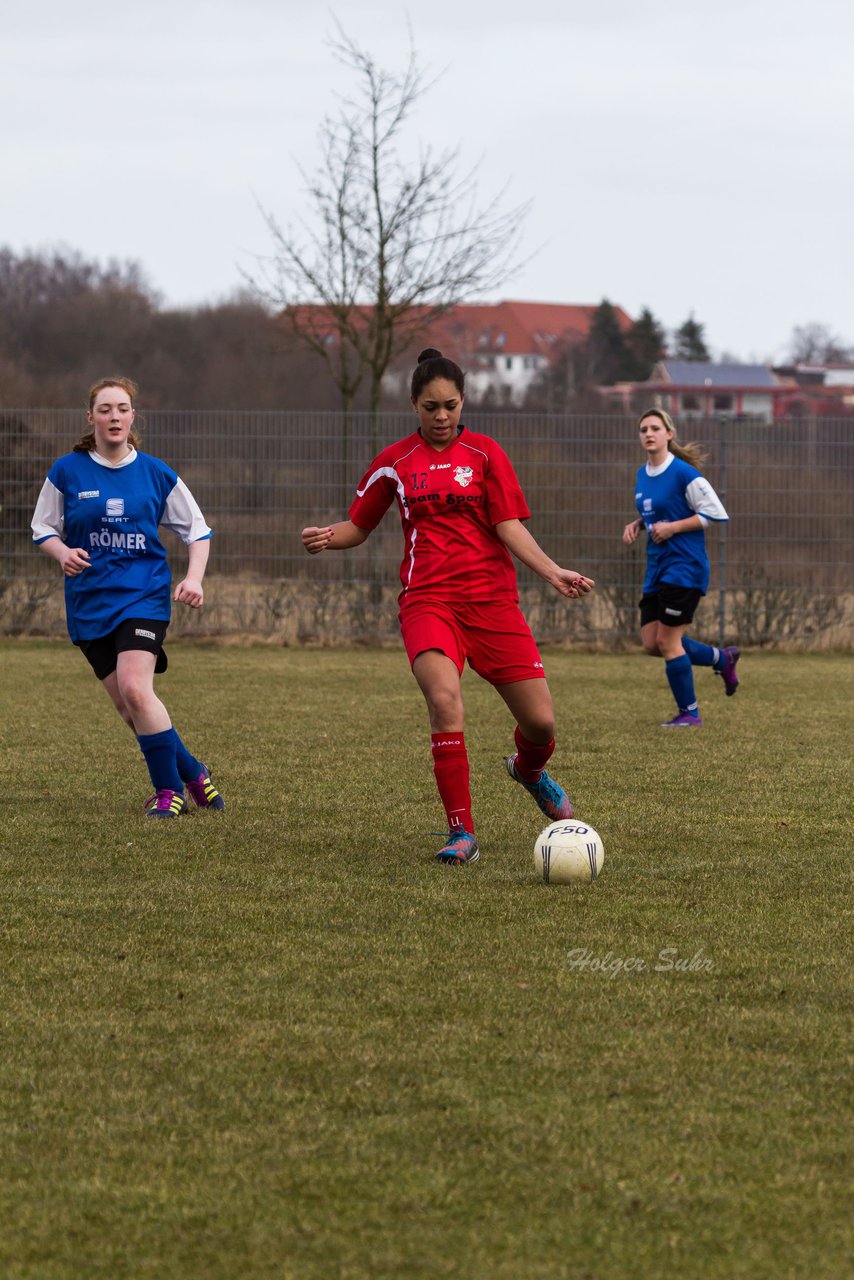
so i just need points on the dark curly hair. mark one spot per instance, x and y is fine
(432, 364)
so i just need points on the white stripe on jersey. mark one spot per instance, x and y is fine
(465, 445)
(391, 473)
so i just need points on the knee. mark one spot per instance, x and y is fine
(539, 729)
(445, 708)
(651, 647)
(135, 696)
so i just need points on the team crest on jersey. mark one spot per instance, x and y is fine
(115, 506)
(463, 476)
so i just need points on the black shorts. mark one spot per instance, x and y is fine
(134, 633)
(671, 605)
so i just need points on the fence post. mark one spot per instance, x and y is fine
(722, 530)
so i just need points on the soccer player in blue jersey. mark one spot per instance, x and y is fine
(676, 503)
(98, 515)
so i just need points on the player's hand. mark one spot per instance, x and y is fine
(661, 531)
(190, 592)
(631, 532)
(75, 561)
(315, 540)
(572, 584)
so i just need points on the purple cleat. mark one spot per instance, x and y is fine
(727, 671)
(165, 804)
(203, 793)
(549, 795)
(683, 721)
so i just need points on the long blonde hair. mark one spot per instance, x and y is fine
(690, 453)
(86, 443)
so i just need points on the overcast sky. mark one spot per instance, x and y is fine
(693, 158)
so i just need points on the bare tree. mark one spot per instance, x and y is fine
(817, 344)
(390, 243)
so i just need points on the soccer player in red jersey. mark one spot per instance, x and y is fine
(462, 509)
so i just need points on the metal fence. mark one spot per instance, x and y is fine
(781, 569)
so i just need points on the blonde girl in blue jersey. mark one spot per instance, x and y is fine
(98, 516)
(676, 503)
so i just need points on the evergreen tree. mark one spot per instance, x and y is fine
(606, 346)
(646, 344)
(690, 342)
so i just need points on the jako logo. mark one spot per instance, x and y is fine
(448, 742)
(146, 635)
(89, 493)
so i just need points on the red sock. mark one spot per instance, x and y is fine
(451, 767)
(530, 758)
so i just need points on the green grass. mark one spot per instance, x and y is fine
(281, 1042)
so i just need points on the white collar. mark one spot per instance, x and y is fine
(662, 466)
(113, 466)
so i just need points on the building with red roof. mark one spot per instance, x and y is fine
(503, 346)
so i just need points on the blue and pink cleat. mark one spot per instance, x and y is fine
(549, 795)
(459, 849)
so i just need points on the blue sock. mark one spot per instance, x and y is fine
(701, 655)
(159, 752)
(680, 676)
(188, 766)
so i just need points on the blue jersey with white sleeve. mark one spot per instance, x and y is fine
(675, 491)
(113, 511)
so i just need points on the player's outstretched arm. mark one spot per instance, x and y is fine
(525, 547)
(333, 537)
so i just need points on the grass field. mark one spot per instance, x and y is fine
(281, 1042)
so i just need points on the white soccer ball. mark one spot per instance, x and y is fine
(569, 852)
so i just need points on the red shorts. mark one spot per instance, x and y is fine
(495, 638)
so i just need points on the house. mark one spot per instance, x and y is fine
(503, 346)
(818, 388)
(694, 388)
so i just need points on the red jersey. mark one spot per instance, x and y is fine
(449, 502)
